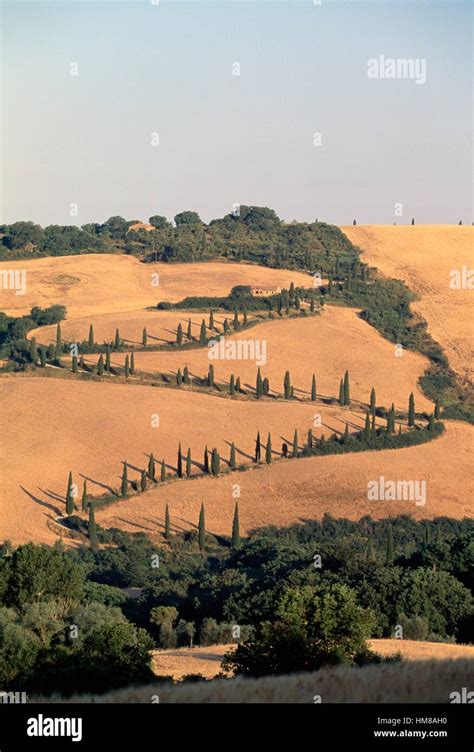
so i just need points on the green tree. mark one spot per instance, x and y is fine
(347, 396)
(100, 366)
(39, 573)
(237, 384)
(202, 333)
(127, 367)
(258, 448)
(372, 401)
(411, 410)
(107, 359)
(232, 461)
(295, 444)
(259, 385)
(367, 431)
(341, 393)
(179, 335)
(236, 528)
(42, 357)
(211, 320)
(167, 524)
(431, 422)
(143, 480)
(287, 385)
(210, 376)
(163, 471)
(313, 389)
(124, 485)
(74, 364)
(151, 467)
(92, 526)
(206, 461)
(310, 438)
(34, 350)
(215, 462)
(59, 344)
(189, 333)
(144, 337)
(437, 410)
(188, 464)
(91, 343)
(232, 385)
(389, 553)
(117, 341)
(84, 501)
(347, 438)
(186, 379)
(179, 377)
(180, 462)
(132, 363)
(202, 529)
(70, 495)
(268, 450)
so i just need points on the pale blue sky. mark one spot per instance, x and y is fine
(224, 139)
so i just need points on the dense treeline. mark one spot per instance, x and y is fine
(68, 622)
(253, 234)
(13, 331)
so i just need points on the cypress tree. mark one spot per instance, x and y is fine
(374, 425)
(295, 444)
(291, 294)
(389, 546)
(202, 334)
(151, 467)
(372, 401)
(117, 340)
(392, 418)
(206, 461)
(92, 527)
(313, 389)
(266, 386)
(258, 448)
(179, 378)
(59, 344)
(411, 411)
(167, 524)
(202, 529)
(347, 396)
(310, 438)
(347, 437)
(144, 337)
(287, 385)
(124, 486)
(132, 362)
(341, 393)
(237, 384)
(143, 481)
(180, 463)
(188, 464)
(311, 305)
(268, 450)
(91, 343)
(259, 384)
(186, 378)
(107, 359)
(127, 367)
(211, 320)
(236, 528)
(42, 357)
(69, 496)
(297, 301)
(84, 496)
(232, 462)
(74, 364)
(437, 410)
(413, 220)
(426, 534)
(215, 462)
(189, 333)
(163, 471)
(100, 366)
(232, 385)
(210, 376)
(179, 334)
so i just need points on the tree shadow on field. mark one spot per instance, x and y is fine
(99, 483)
(58, 512)
(134, 524)
(240, 451)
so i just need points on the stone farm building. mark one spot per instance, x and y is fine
(263, 292)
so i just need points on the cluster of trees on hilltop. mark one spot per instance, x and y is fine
(13, 331)
(67, 623)
(254, 234)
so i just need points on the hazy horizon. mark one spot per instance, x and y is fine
(88, 88)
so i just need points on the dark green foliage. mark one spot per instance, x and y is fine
(259, 385)
(179, 377)
(215, 462)
(188, 464)
(179, 335)
(167, 524)
(437, 410)
(91, 342)
(84, 502)
(143, 478)
(268, 450)
(389, 552)
(373, 401)
(59, 344)
(100, 366)
(341, 393)
(34, 350)
(117, 341)
(206, 461)
(211, 320)
(151, 467)
(163, 471)
(210, 376)
(107, 359)
(186, 379)
(70, 496)
(232, 385)
(294, 451)
(127, 367)
(309, 442)
(42, 357)
(236, 528)
(258, 448)
(237, 384)
(232, 460)
(202, 333)
(144, 337)
(74, 364)
(367, 429)
(411, 410)
(124, 483)
(202, 529)
(180, 463)
(347, 396)
(313, 388)
(92, 526)
(287, 385)
(132, 363)
(189, 333)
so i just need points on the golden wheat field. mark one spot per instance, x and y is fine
(413, 681)
(325, 345)
(424, 256)
(206, 660)
(96, 284)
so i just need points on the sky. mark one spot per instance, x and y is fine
(139, 108)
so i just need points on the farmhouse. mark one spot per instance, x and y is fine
(262, 292)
